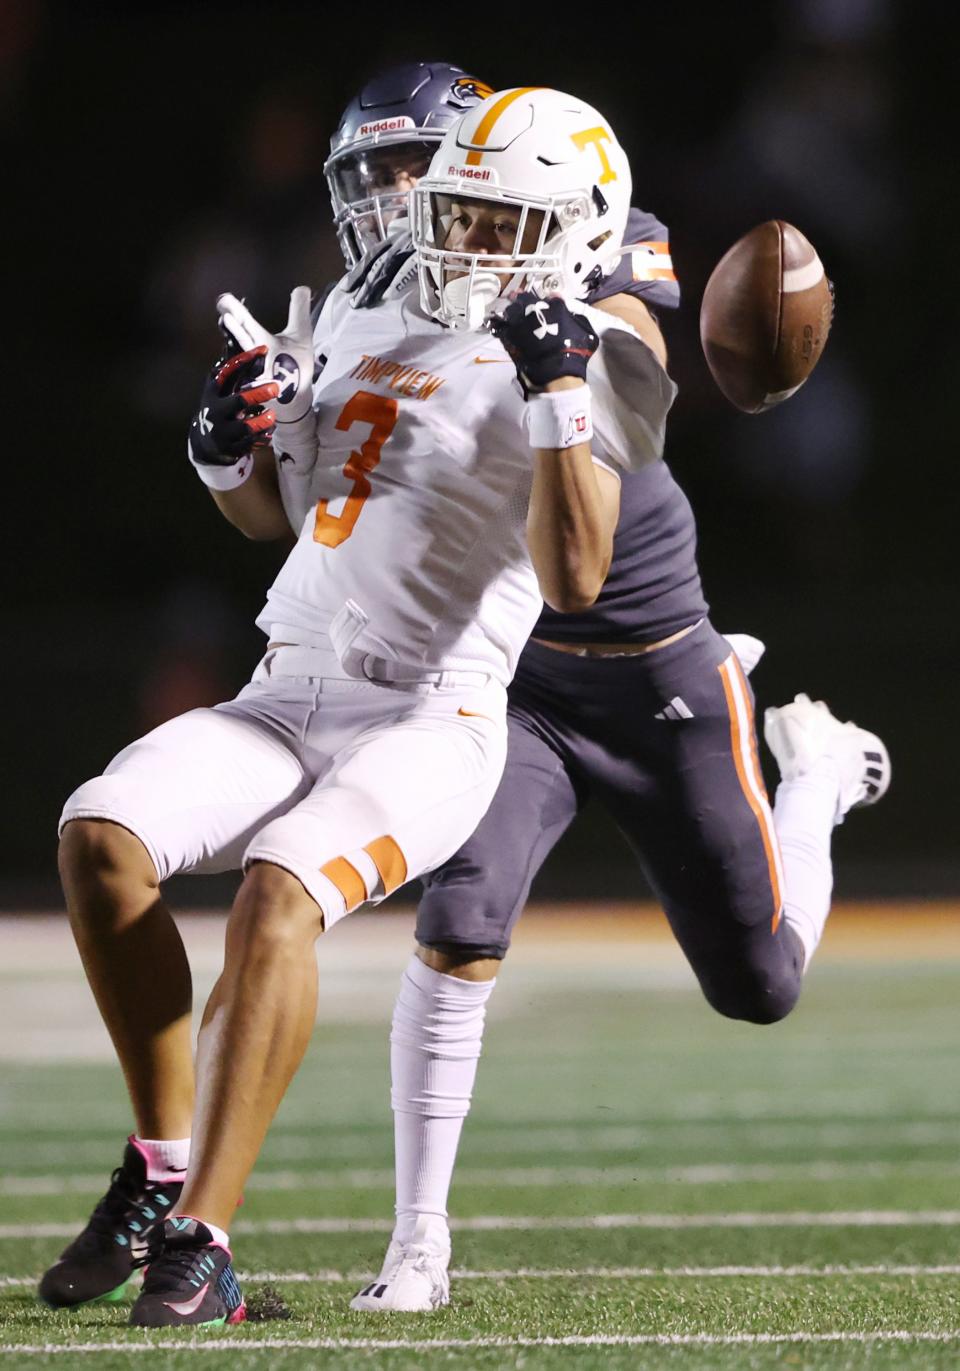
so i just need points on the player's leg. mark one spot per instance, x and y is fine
(464, 922)
(186, 797)
(135, 963)
(399, 798)
(827, 768)
(702, 825)
(710, 847)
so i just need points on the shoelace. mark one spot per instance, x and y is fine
(121, 1199)
(167, 1264)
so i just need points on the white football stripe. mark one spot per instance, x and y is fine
(776, 397)
(241, 1344)
(802, 278)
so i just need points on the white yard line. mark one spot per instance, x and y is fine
(622, 1273)
(861, 1218)
(762, 1135)
(363, 1178)
(241, 1344)
(333, 1277)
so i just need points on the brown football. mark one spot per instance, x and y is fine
(765, 316)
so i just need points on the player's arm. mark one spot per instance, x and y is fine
(574, 504)
(255, 507)
(226, 448)
(635, 313)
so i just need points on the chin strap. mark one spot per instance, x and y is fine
(470, 296)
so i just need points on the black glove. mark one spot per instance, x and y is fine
(545, 339)
(232, 418)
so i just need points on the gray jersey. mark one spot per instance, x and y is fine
(653, 586)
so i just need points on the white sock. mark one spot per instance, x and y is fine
(167, 1158)
(803, 814)
(434, 1050)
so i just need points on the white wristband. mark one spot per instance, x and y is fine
(222, 478)
(559, 418)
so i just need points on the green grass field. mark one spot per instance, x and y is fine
(643, 1184)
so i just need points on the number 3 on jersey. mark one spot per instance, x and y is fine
(381, 414)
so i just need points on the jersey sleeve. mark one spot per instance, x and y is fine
(646, 267)
(632, 395)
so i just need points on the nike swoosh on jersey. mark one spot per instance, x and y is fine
(188, 1307)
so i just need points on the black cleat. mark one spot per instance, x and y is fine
(100, 1261)
(189, 1281)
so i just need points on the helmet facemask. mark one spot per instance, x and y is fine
(459, 287)
(367, 191)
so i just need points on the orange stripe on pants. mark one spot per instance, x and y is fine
(348, 881)
(389, 861)
(744, 748)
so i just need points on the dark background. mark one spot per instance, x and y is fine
(158, 155)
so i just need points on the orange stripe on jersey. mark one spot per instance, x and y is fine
(348, 881)
(743, 741)
(389, 861)
(643, 259)
(485, 127)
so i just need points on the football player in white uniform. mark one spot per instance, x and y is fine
(371, 737)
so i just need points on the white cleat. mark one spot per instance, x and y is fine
(749, 650)
(413, 1280)
(801, 733)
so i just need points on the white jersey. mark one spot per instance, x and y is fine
(412, 525)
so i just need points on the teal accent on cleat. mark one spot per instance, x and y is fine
(99, 1262)
(189, 1281)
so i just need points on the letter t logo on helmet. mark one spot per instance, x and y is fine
(596, 136)
(543, 155)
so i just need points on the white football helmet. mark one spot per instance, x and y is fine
(536, 150)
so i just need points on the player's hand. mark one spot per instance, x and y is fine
(545, 339)
(233, 416)
(289, 362)
(372, 278)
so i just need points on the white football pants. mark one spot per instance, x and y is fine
(353, 786)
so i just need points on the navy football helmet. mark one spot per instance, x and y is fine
(386, 140)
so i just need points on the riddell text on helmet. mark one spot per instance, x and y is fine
(470, 173)
(402, 121)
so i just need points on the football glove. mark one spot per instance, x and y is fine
(288, 362)
(545, 340)
(232, 416)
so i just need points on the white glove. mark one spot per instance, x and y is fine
(289, 362)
